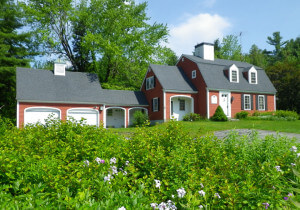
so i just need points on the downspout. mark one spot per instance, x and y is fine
(274, 102)
(104, 116)
(207, 103)
(164, 105)
(18, 117)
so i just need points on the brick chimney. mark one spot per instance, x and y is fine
(205, 50)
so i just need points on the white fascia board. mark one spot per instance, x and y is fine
(59, 102)
(164, 106)
(179, 91)
(207, 103)
(241, 91)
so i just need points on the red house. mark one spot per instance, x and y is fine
(199, 83)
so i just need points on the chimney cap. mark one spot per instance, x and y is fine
(203, 43)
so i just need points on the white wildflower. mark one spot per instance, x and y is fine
(114, 170)
(298, 155)
(153, 205)
(202, 193)
(86, 163)
(124, 173)
(278, 168)
(200, 207)
(173, 196)
(171, 205)
(181, 192)
(202, 186)
(113, 160)
(162, 206)
(157, 183)
(98, 160)
(293, 164)
(294, 149)
(217, 195)
(108, 178)
(122, 208)
(127, 163)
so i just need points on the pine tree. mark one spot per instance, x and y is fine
(13, 52)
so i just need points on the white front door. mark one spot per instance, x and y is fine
(225, 103)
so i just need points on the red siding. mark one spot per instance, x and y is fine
(188, 66)
(157, 91)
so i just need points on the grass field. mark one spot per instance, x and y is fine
(204, 127)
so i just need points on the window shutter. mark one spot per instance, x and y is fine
(158, 104)
(152, 104)
(266, 102)
(251, 96)
(242, 100)
(154, 81)
(256, 101)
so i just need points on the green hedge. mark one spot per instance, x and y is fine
(67, 165)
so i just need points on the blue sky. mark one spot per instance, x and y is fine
(195, 21)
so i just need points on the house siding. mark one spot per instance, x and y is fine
(156, 92)
(201, 102)
(62, 107)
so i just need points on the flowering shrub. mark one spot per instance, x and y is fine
(68, 165)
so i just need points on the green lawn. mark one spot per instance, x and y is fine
(204, 127)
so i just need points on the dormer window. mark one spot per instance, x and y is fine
(194, 74)
(252, 75)
(234, 74)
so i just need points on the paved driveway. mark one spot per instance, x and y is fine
(261, 133)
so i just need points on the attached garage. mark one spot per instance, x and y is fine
(39, 114)
(90, 116)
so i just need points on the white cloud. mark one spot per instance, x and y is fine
(196, 29)
(209, 3)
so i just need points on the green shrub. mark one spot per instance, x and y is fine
(192, 117)
(67, 165)
(139, 118)
(241, 115)
(289, 115)
(219, 115)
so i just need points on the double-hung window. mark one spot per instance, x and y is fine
(155, 104)
(261, 102)
(150, 83)
(247, 102)
(234, 76)
(253, 78)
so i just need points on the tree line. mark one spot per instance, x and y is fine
(114, 39)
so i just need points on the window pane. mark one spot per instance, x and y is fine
(233, 76)
(182, 105)
(261, 102)
(247, 102)
(253, 77)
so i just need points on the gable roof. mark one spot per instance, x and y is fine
(214, 77)
(172, 78)
(75, 87)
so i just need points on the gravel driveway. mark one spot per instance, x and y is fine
(261, 133)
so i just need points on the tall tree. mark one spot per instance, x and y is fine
(110, 37)
(257, 57)
(277, 42)
(14, 51)
(229, 48)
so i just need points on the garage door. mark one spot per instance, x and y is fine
(91, 116)
(35, 115)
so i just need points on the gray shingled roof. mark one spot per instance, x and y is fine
(172, 78)
(44, 86)
(214, 77)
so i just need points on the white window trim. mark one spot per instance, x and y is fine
(194, 74)
(155, 109)
(234, 68)
(150, 83)
(247, 95)
(252, 70)
(264, 103)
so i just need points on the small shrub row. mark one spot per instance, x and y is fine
(192, 117)
(277, 115)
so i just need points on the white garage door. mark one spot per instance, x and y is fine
(90, 116)
(34, 115)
